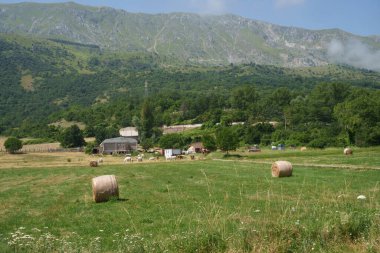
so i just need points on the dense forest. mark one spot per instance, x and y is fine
(44, 81)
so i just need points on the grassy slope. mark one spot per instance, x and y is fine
(212, 206)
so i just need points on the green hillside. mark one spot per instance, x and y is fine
(43, 81)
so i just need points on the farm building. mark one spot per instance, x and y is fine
(196, 147)
(118, 145)
(129, 132)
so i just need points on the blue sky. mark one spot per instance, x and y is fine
(356, 16)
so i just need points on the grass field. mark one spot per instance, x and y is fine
(231, 205)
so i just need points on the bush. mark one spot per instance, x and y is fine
(12, 144)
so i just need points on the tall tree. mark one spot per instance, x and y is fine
(209, 142)
(72, 137)
(227, 139)
(146, 120)
(360, 116)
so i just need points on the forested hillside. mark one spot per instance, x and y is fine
(43, 81)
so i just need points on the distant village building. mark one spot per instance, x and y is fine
(129, 132)
(196, 147)
(119, 145)
(178, 128)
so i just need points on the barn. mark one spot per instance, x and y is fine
(119, 145)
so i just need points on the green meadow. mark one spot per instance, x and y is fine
(224, 205)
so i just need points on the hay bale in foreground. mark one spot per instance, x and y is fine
(303, 148)
(282, 169)
(94, 163)
(347, 151)
(104, 187)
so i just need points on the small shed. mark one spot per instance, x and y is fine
(172, 152)
(196, 147)
(119, 145)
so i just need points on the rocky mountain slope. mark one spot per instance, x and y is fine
(190, 38)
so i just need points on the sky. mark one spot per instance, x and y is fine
(360, 17)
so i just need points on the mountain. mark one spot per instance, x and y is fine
(191, 38)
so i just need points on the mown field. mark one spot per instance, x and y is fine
(231, 205)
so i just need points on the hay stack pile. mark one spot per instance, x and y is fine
(104, 188)
(94, 163)
(347, 151)
(282, 169)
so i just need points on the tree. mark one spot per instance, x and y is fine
(359, 116)
(172, 141)
(146, 143)
(12, 144)
(243, 97)
(72, 137)
(226, 139)
(209, 142)
(103, 132)
(146, 121)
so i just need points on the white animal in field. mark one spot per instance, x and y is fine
(128, 159)
(152, 158)
(100, 160)
(139, 158)
(170, 158)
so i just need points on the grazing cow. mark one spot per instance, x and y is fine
(152, 158)
(139, 159)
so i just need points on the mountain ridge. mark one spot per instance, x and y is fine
(191, 38)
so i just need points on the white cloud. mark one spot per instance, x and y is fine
(286, 3)
(354, 53)
(210, 6)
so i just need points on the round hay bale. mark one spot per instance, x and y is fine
(347, 151)
(104, 187)
(282, 169)
(94, 163)
(303, 148)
